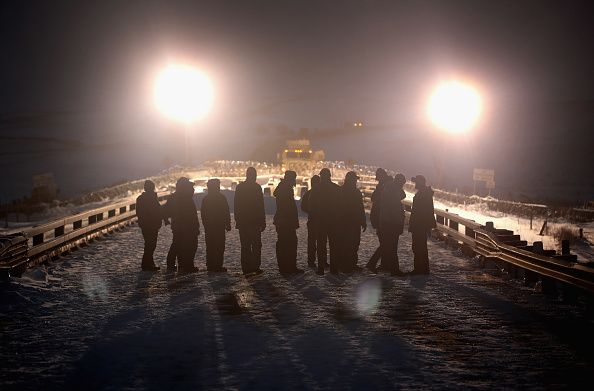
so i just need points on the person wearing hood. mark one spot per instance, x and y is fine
(381, 176)
(391, 222)
(352, 221)
(216, 220)
(311, 231)
(422, 221)
(324, 202)
(250, 220)
(286, 222)
(184, 224)
(148, 211)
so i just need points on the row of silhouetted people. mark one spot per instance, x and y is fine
(336, 218)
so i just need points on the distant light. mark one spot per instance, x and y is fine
(183, 93)
(455, 107)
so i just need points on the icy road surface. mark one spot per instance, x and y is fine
(92, 320)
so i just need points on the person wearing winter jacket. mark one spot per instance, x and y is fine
(185, 226)
(250, 220)
(381, 176)
(148, 211)
(352, 221)
(311, 228)
(216, 220)
(286, 222)
(324, 204)
(392, 222)
(422, 221)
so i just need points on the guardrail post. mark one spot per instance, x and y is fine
(565, 247)
(537, 248)
(59, 231)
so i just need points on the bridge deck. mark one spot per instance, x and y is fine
(92, 320)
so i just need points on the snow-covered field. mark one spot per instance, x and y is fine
(92, 320)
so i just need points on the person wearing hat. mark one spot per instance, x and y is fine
(352, 221)
(185, 226)
(286, 223)
(250, 220)
(391, 221)
(216, 220)
(311, 232)
(148, 211)
(422, 221)
(381, 176)
(324, 202)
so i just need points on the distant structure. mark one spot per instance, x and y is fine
(355, 124)
(44, 188)
(299, 157)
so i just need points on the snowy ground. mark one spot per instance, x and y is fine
(92, 320)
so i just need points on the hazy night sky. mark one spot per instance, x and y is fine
(87, 68)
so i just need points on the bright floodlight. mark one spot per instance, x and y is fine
(183, 93)
(455, 107)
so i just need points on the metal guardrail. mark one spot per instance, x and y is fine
(489, 243)
(48, 240)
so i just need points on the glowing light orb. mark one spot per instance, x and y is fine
(183, 93)
(368, 296)
(455, 107)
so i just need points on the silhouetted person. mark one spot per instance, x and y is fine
(250, 220)
(381, 176)
(184, 225)
(311, 229)
(286, 222)
(324, 202)
(148, 211)
(392, 222)
(216, 220)
(422, 221)
(351, 221)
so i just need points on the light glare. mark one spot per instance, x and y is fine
(455, 107)
(183, 93)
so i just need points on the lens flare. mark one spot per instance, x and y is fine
(368, 296)
(183, 93)
(455, 107)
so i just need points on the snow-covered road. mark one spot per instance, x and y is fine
(92, 320)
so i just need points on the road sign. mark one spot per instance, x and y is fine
(483, 175)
